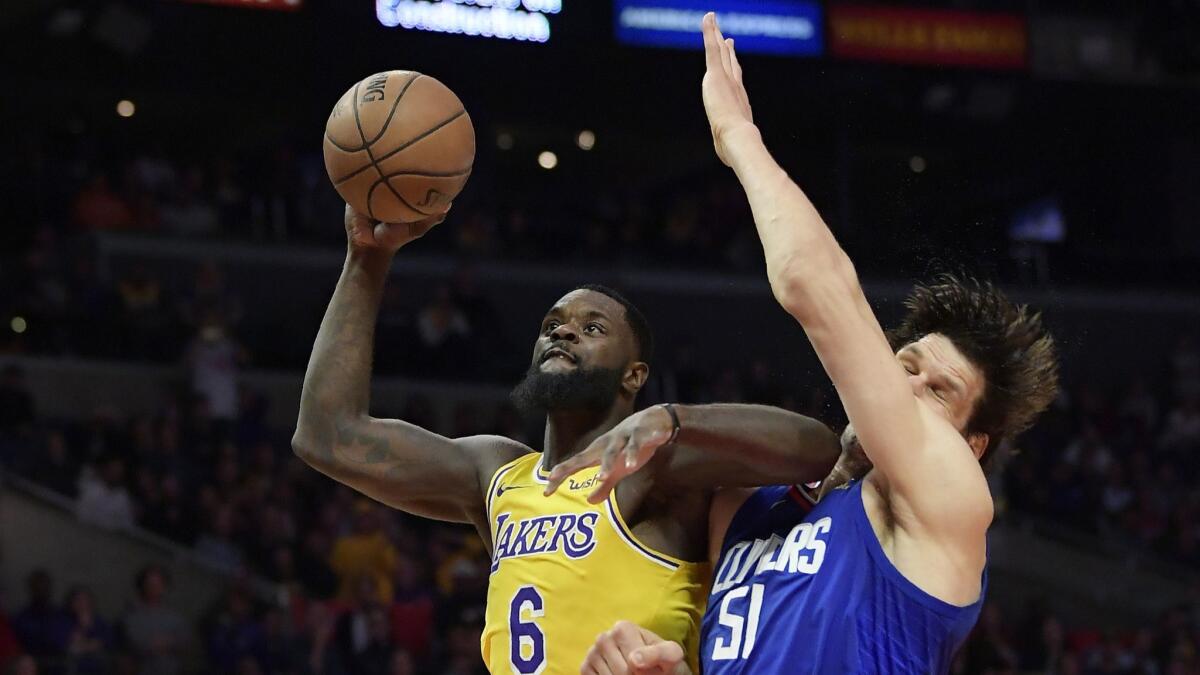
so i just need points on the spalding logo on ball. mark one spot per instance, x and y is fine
(399, 146)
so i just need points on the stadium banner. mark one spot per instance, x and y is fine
(790, 27)
(928, 36)
(523, 20)
(283, 5)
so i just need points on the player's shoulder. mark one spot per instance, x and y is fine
(491, 453)
(500, 448)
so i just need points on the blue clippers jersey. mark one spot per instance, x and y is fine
(808, 589)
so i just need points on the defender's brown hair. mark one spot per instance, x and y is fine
(1005, 341)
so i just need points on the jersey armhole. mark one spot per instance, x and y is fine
(892, 574)
(626, 534)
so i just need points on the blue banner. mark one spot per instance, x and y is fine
(765, 26)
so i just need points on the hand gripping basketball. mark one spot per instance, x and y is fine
(365, 233)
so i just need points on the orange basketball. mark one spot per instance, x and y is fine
(399, 146)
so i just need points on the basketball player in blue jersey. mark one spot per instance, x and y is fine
(885, 574)
(563, 568)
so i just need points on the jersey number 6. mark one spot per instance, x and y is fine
(526, 636)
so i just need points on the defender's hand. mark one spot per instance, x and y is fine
(725, 98)
(364, 233)
(633, 650)
(626, 448)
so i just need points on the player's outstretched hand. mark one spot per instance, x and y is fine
(624, 449)
(629, 648)
(725, 98)
(364, 233)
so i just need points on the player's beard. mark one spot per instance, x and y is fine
(580, 389)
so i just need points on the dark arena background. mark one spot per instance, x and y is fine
(171, 240)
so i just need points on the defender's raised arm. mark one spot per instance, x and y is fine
(815, 281)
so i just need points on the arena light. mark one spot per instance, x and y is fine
(547, 160)
(586, 140)
(524, 20)
(917, 164)
(126, 108)
(18, 325)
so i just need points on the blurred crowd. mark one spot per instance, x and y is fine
(69, 306)
(363, 589)
(368, 590)
(278, 194)
(374, 591)
(1124, 465)
(1037, 641)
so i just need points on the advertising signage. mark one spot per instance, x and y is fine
(524, 20)
(768, 26)
(929, 37)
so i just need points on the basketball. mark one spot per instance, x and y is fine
(399, 146)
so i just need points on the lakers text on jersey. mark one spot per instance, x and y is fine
(564, 571)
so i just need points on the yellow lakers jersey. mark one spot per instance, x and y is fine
(564, 571)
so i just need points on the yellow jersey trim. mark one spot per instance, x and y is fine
(492, 485)
(540, 474)
(626, 534)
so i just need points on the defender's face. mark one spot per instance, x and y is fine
(584, 329)
(942, 380)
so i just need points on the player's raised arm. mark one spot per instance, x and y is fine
(395, 462)
(708, 446)
(815, 281)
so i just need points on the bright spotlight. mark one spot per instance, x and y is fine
(547, 160)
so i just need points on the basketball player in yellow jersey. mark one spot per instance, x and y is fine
(564, 569)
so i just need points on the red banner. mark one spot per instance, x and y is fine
(928, 36)
(284, 5)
